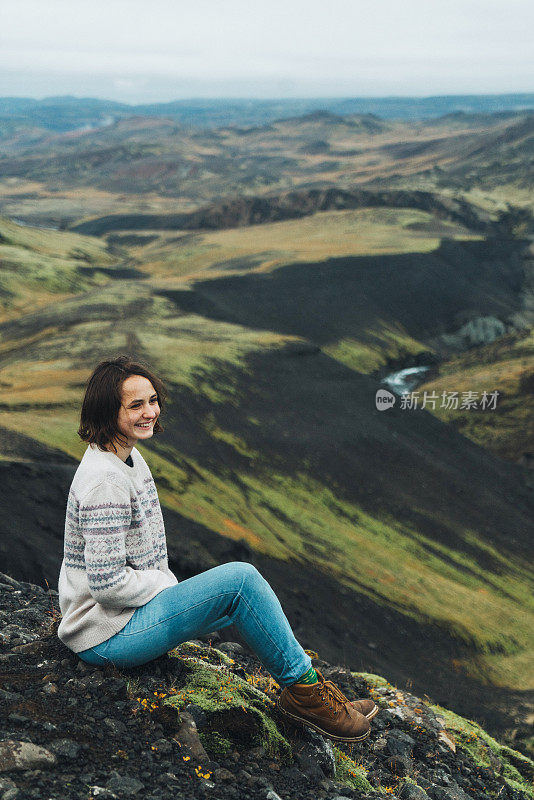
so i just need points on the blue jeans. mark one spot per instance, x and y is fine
(229, 594)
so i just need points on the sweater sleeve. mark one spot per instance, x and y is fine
(104, 519)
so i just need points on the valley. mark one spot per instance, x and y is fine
(273, 277)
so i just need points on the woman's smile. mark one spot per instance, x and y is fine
(139, 409)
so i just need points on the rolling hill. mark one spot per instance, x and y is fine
(274, 448)
(273, 276)
(147, 165)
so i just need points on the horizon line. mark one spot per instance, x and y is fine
(277, 98)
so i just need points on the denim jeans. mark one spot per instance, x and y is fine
(229, 594)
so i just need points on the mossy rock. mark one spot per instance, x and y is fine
(517, 769)
(372, 680)
(215, 744)
(350, 773)
(236, 710)
(208, 654)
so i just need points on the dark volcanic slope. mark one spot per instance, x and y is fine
(301, 410)
(32, 506)
(426, 293)
(309, 407)
(378, 460)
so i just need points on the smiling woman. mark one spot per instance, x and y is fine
(122, 405)
(138, 413)
(120, 602)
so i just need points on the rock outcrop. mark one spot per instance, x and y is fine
(201, 721)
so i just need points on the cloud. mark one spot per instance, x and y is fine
(411, 47)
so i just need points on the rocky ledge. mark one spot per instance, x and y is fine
(201, 721)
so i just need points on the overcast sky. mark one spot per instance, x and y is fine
(160, 50)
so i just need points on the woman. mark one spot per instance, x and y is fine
(119, 600)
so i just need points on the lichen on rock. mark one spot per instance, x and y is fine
(236, 709)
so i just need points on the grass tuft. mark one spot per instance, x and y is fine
(517, 769)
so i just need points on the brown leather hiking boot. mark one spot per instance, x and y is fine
(365, 705)
(323, 707)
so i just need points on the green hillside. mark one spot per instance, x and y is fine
(271, 435)
(38, 267)
(241, 483)
(506, 366)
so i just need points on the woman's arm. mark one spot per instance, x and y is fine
(104, 519)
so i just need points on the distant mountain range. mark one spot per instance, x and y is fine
(71, 113)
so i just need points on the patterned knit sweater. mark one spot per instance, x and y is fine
(115, 554)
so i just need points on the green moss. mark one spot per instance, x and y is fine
(217, 691)
(471, 738)
(409, 780)
(350, 773)
(276, 745)
(224, 659)
(518, 786)
(528, 745)
(132, 686)
(522, 762)
(375, 681)
(208, 654)
(511, 773)
(215, 744)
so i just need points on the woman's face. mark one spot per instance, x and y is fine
(139, 409)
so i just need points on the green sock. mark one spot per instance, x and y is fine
(310, 676)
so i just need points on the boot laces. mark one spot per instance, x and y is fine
(337, 691)
(332, 696)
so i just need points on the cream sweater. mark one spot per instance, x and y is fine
(115, 554)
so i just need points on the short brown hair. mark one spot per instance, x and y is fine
(102, 400)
